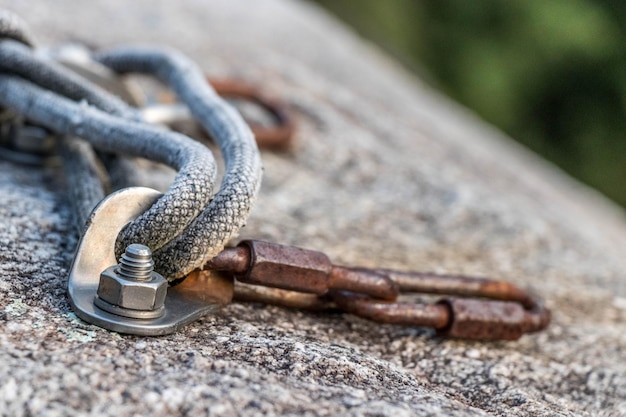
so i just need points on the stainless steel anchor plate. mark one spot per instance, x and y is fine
(199, 294)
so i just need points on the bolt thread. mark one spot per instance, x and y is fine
(136, 263)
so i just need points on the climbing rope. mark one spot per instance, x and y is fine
(188, 225)
(226, 213)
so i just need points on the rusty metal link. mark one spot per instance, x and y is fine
(277, 136)
(296, 269)
(282, 298)
(460, 285)
(428, 315)
(454, 317)
(298, 278)
(498, 310)
(501, 311)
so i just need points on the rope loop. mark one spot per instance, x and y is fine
(190, 223)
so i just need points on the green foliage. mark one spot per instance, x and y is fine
(552, 74)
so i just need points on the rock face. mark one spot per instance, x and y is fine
(384, 172)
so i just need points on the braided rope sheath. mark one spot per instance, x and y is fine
(17, 58)
(185, 227)
(87, 177)
(207, 235)
(192, 187)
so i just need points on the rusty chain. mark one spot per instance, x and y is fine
(475, 308)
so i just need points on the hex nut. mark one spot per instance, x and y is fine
(135, 295)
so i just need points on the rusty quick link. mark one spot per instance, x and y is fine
(301, 278)
(275, 136)
(291, 268)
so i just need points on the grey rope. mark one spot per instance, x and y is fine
(206, 236)
(189, 193)
(85, 175)
(18, 59)
(185, 227)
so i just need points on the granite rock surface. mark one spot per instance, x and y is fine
(383, 172)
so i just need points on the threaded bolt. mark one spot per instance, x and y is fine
(132, 288)
(136, 263)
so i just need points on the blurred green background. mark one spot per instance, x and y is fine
(550, 73)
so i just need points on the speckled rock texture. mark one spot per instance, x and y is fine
(384, 172)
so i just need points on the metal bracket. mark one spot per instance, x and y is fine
(199, 294)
